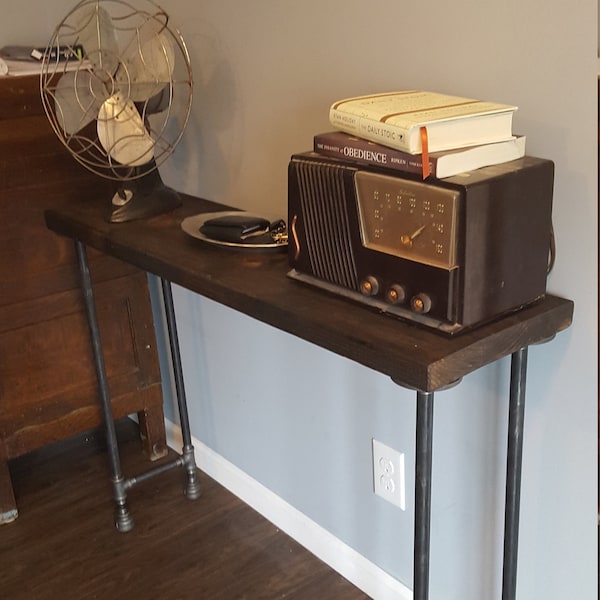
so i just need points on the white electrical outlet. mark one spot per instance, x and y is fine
(388, 474)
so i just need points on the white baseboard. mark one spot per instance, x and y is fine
(354, 567)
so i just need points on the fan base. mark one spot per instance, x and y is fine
(134, 202)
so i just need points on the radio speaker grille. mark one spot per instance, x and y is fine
(325, 210)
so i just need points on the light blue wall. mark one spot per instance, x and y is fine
(266, 72)
(300, 419)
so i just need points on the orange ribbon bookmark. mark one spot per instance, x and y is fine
(425, 153)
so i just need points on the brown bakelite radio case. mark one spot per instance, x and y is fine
(448, 254)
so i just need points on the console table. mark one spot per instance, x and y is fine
(256, 284)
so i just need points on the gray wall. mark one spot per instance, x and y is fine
(266, 73)
(299, 419)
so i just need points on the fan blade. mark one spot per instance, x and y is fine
(122, 133)
(75, 103)
(148, 62)
(97, 35)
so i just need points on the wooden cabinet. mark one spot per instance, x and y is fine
(48, 388)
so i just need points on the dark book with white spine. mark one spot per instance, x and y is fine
(341, 145)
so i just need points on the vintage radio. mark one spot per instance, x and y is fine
(448, 254)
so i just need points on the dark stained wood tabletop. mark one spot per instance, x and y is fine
(255, 283)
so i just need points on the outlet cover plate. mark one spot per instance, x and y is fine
(388, 474)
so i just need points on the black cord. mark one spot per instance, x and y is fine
(552, 258)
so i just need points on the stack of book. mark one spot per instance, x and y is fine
(28, 60)
(421, 132)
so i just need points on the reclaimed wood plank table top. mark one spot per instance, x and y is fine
(255, 283)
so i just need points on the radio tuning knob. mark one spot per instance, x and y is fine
(421, 303)
(369, 286)
(396, 294)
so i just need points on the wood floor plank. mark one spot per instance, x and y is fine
(64, 545)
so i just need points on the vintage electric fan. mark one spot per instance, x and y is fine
(116, 85)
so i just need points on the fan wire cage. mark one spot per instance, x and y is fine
(116, 86)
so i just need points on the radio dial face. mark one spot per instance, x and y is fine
(407, 218)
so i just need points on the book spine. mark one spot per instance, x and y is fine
(373, 130)
(360, 151)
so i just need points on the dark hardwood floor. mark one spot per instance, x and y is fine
(64, 545)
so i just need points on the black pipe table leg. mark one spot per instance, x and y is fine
(123, 520)
(423, 463)
(192, 489)
(516, 419)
